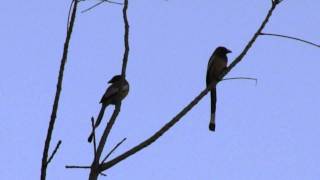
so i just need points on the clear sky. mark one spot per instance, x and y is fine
(264, 131)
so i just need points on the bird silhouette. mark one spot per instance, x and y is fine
(114, 94)
(217, 63)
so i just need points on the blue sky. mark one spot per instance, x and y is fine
(264, 131)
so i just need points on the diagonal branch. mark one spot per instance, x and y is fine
(250, 43)
(99, 3)
(44, 163)
(185, 110)
(291, 37)
(107, 130)
(113, 149)
(95, 170)
(158, 134)
(54, 151)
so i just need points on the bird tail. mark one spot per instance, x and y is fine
(212, 124)
(98, 121)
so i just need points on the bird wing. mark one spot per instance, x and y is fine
(110, 92)
(209, 70)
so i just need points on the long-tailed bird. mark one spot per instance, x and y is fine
(113, 95)
(217, 63)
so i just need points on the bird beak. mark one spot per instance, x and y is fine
(229, 51)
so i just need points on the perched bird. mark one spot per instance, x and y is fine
(113, 95)
(217, 63)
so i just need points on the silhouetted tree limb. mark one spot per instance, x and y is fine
(185, 110)
(94, 137)
(44, 163)
(113, 149)
(253, 39)
(77, 167)
(126, 39)
(291, 37)
(95, 169)
(99, 3)
(240, 78)
(54, 151)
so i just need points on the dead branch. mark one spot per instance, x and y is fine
(54, 151)
(113, 149)
(240, 78)
(99, 3)
(290, 37)
(45, 163)
(96, 166)
(94, 137)
(78, 167)
(185, 110)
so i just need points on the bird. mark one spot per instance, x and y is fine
(216, 65)
(112, 96)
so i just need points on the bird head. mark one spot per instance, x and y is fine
(114, 79)
(222, 50)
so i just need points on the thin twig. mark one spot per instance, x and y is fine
(185, 110)
(241, 78)
(58, 92)
(94, 136)
(291, 37)
(99, 3)
(113, 149)
(91, 7)
(54, 151)
(77, 167)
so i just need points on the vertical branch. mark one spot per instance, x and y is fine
(94, 137)
(44, 163)
(126, 39)
(96, 166)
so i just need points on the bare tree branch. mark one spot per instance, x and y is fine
(241, 78)
(94, 137)
(95, 170)
(158, 134)
(185, 110)
(99, 3)
(250, 43)
(78, 167)
(44, 163)
(96, 166)
(126, 40)
(291, 37)
(113, 149)
(54, 151)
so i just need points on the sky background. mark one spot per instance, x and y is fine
(266, 131)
